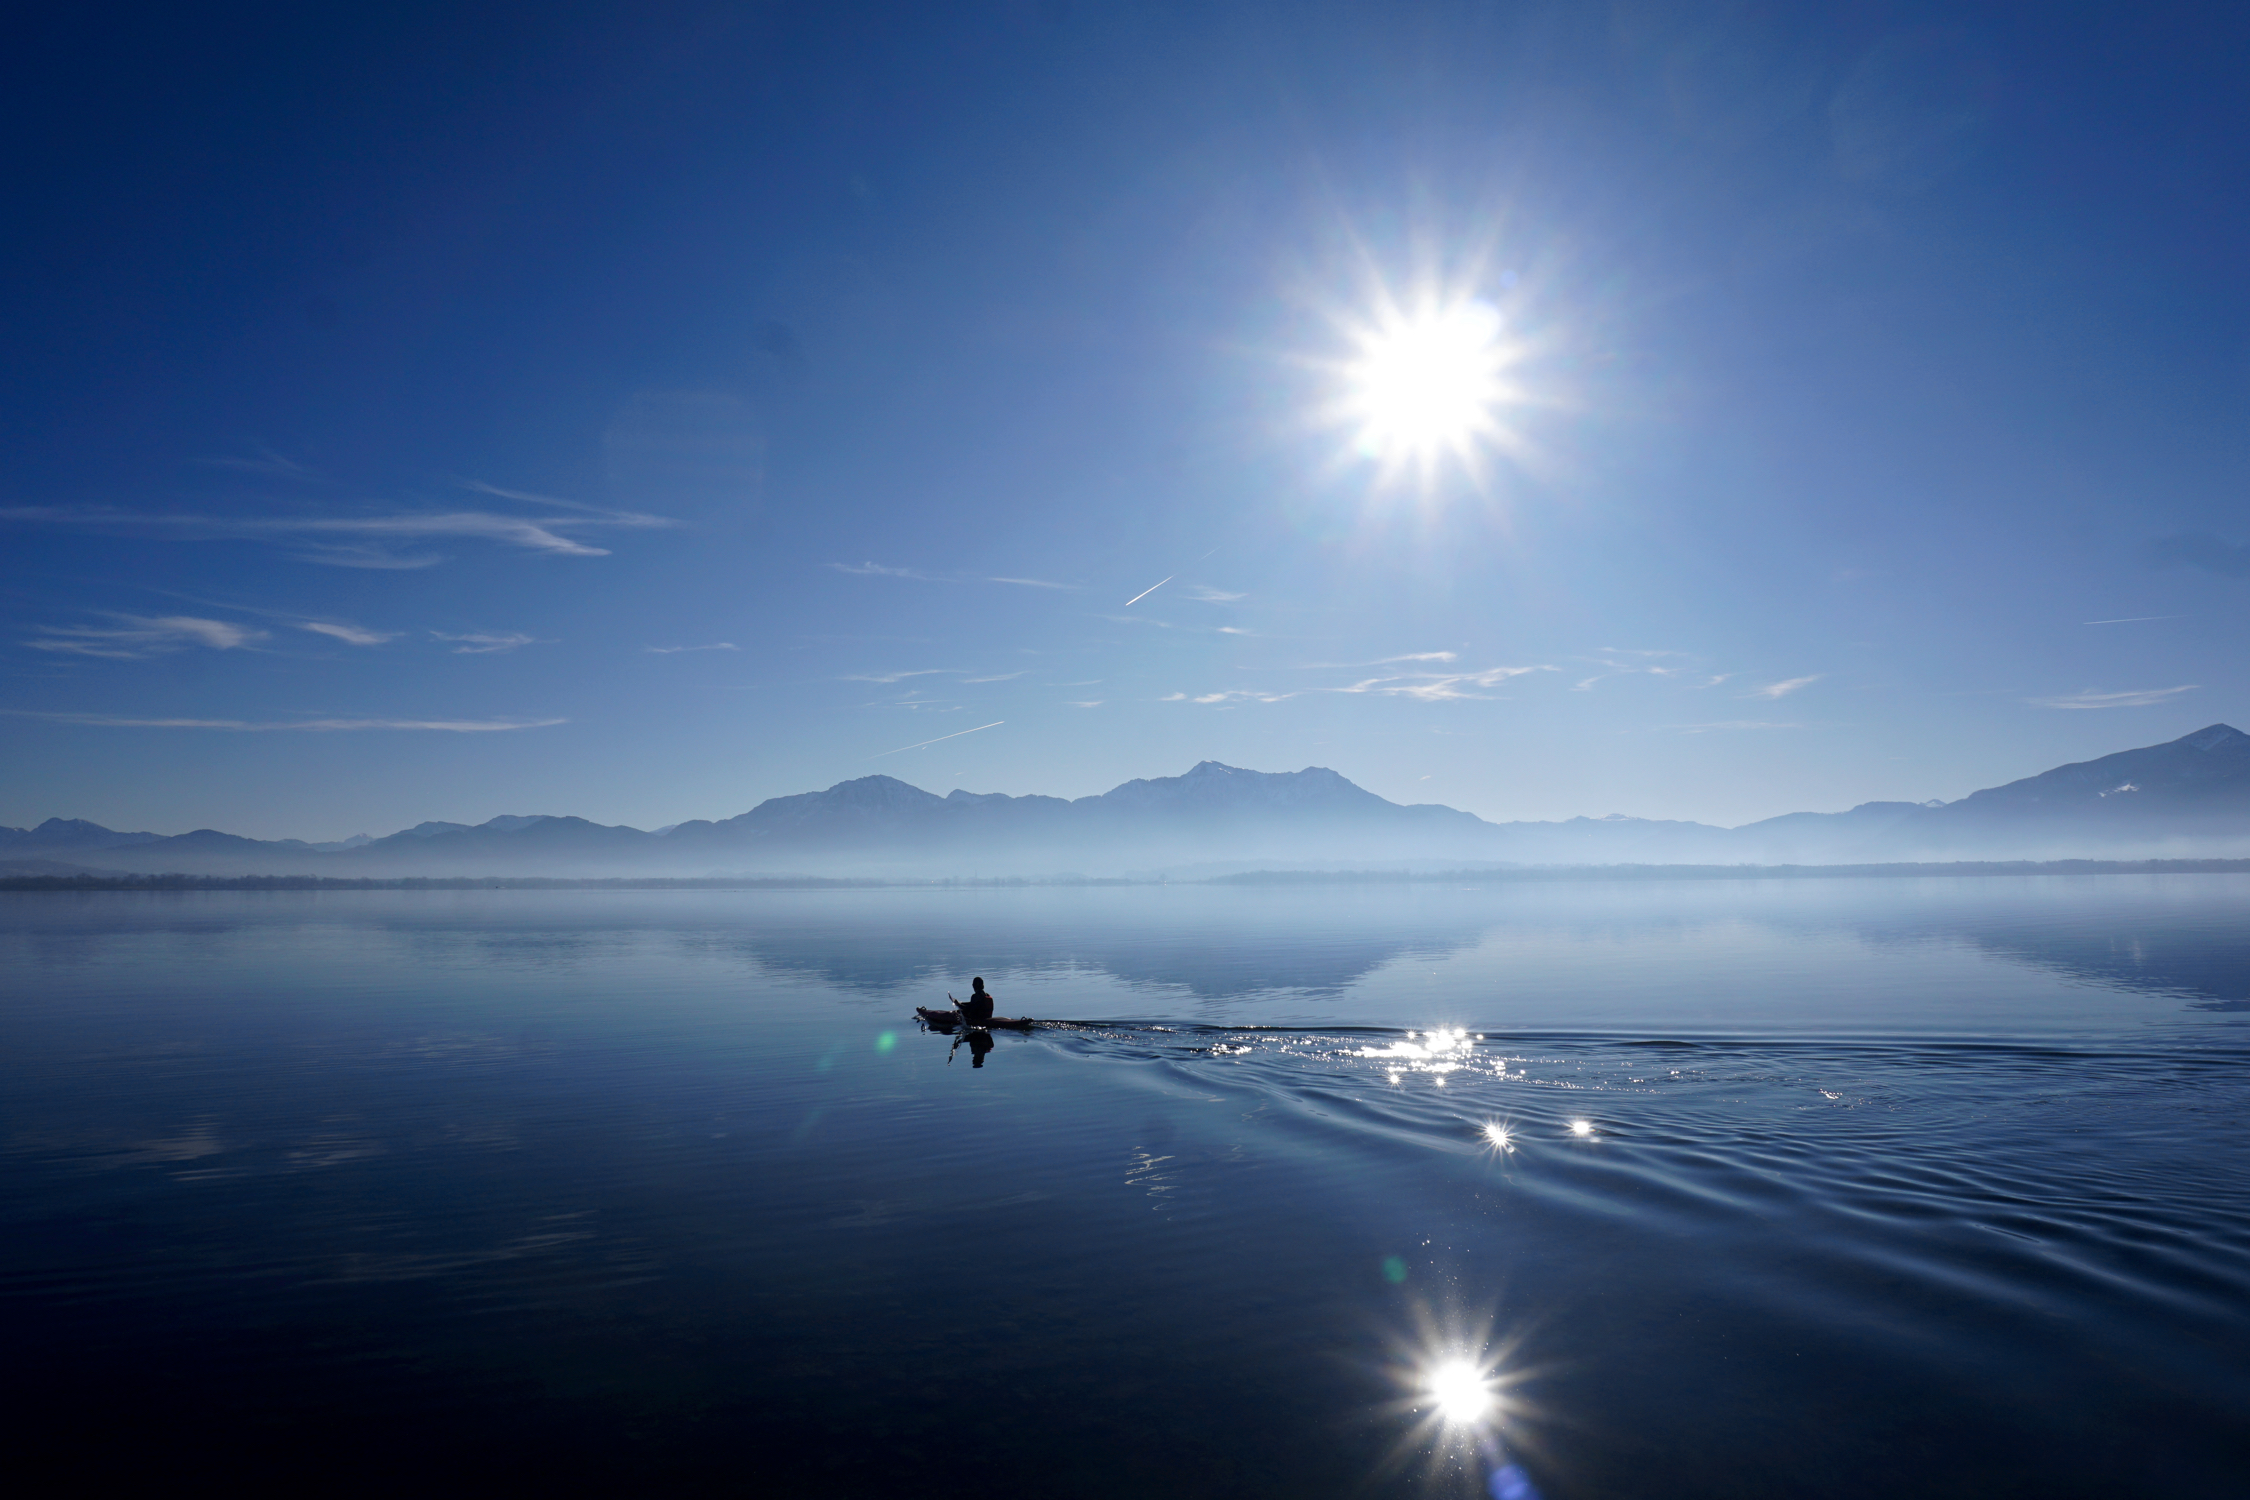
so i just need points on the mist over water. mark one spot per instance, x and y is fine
(1930, 1187)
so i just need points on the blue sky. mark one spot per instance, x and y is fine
(641, 411)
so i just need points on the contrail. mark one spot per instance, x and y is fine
(1152, 588)
(995, 724)
(2136, 619)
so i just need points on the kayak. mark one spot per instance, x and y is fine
(947, 1020)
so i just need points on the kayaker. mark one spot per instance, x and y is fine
(977, 1009)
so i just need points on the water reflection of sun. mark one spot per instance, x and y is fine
(1437, 1053)
(1460, 1403)
(1459, 1391)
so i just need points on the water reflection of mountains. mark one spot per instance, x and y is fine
(2193, 954)
(2210, 970)
(1210, 965)
(2177, 936)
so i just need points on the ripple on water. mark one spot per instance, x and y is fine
(2035, 1172)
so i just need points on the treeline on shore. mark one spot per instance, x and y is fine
(1517, 873)
(125, 882)
(1748, 872)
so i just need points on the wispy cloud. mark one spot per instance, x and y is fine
(674, 650)
(1205, 595)
(1733, 724)
(919, 575)
(606, 513)
(541, 535)
(888, 677)
(1428, 687)
(486, 645)
(308, 726)
(364, 541)
(941, 739)
(1380, 661)
(270, 464)
(1435, 687)
(1673, 666)
(350, 635)
(877, 570)
(1086, 703)
(341, 630)
(2138, 698)
(966, 680)
(1619, 661)
(1232, 695)
(137, 636)
(1784, 689)
(1586, 684)
(1154, 623)
(369, 555)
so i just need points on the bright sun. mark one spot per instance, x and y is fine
(1427, 383)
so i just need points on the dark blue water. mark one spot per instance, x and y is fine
(1881, 1188)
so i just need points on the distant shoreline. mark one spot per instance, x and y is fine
(1523, 874)
(1529, 873)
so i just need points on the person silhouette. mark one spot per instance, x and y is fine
(977, 1009)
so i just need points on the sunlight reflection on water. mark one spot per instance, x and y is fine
(650, 1180)
(1459, 1391)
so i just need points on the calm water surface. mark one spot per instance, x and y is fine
(1882, 1188)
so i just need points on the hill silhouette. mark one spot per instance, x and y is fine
(2188, 797)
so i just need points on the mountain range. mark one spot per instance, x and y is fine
(2187, 797)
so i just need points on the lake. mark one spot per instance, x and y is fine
(1908, 1187)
